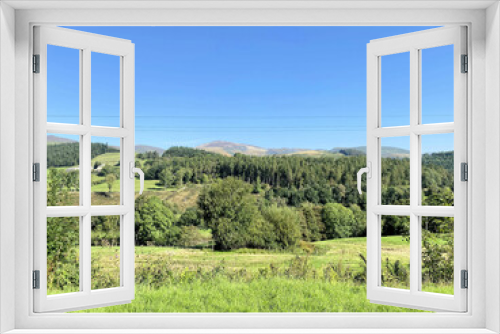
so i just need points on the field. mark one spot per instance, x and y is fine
(173, 279)
(246, 234)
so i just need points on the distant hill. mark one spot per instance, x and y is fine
(146, 148)
(51, 139)
(387, 151)
(228, 149)
(186, 152)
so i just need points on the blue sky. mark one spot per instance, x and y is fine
(302, 87)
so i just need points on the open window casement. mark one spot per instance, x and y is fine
(412, 47)
(67, 256)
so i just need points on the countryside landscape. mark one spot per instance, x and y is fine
(229, 227)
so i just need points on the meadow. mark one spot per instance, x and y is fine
(245, 234)
(324, 276)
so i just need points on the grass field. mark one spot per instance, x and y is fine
(170, 279)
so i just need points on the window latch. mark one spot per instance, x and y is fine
(368, 171)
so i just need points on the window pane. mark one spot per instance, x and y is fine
(395, 89)
(437, 84)
(105, 171)
(437, 169)
(63, 85)
(63, 170)
(437, 254)
(63, 255)
(395, 171)
(105, 252)
(105, 90)
(395, 252)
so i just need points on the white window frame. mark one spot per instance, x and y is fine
(86, 44)
(483, 101)
(414, 43)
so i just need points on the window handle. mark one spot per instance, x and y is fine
(133, 171)
(368, 171)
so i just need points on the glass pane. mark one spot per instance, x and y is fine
(63, 85)
(63, 255)
(105, 90)
(395, 171)
(437, 254)
(437, 84)
(437, 169)
(105, 252)
(63, 170)
(395, 89)
(105, 171)
(395, 252)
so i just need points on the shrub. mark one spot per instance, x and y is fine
(339, 221)
(189, 236)
(312, 227)
(285, 223)
(229, 209)
(153, 220)
(191, 217)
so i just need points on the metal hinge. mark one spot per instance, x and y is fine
(465, 64)
(464, 171)
(36, 279)
(36, 63)
(465, 279)
(36, 172)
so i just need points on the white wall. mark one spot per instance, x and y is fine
(7, 160)
(492, 166)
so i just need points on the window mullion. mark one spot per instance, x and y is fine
(414, 170)
(85, 165)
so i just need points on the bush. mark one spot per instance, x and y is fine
(339, 221)
(312, 226)
(191, 217)
(153, 221)
(285, 224)
(189, 236)
(359, 227)
(229, 209)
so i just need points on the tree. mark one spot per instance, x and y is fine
(153, 221)
(285, 223)
(229, 209)
(191, 217)
(110, 179)
(166, 178)
(359, 226)
(339, 221)
(313, 227)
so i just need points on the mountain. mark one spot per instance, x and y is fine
(387, 151)
(228, 149)
(146, 148)
(53, 140)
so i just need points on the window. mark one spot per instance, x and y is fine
(418, 124)
(289, 208)
(65, 213)
(482, 58)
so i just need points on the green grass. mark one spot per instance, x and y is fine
(107, 158)
(261, 295)
(149, 185)
(201, 280)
